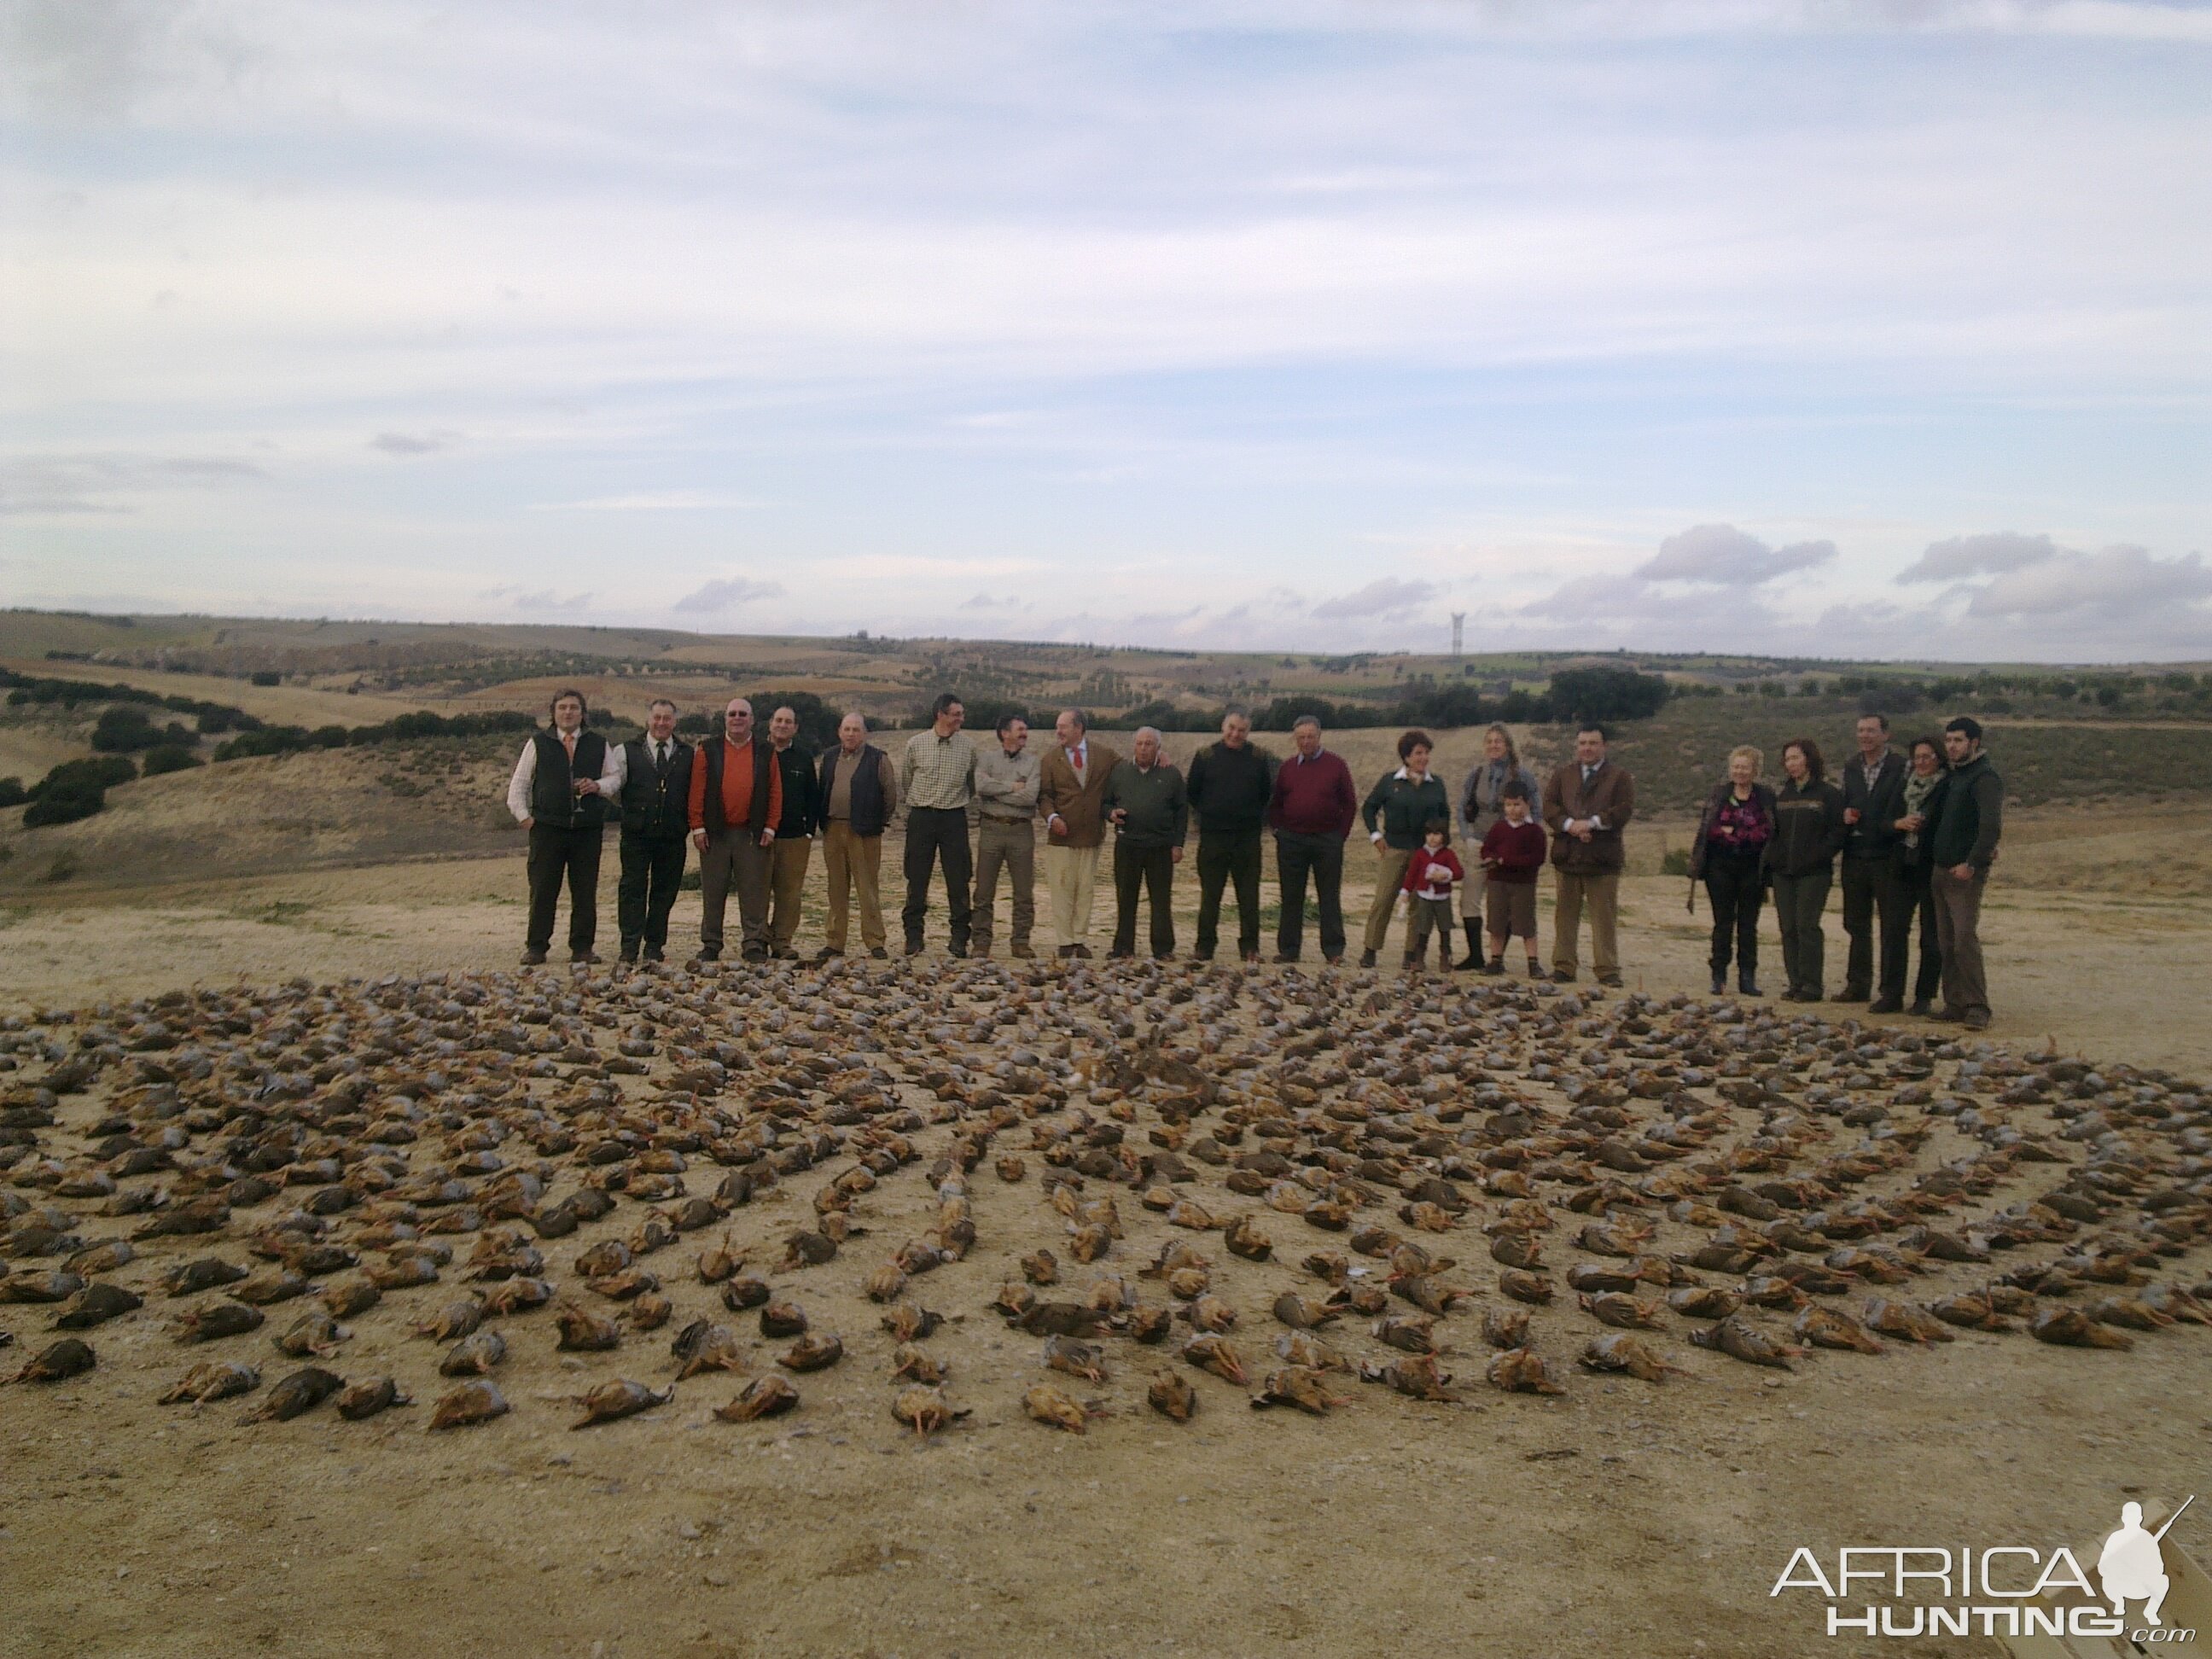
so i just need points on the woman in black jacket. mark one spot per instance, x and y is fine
(1809, 834)
(1730, 857)
(1922, 798)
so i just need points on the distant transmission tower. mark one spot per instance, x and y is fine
(1459, 632)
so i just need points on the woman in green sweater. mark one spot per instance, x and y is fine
(1397, 812)
(1809, 834)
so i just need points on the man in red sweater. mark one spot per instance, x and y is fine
(1512, 853)
(737, 801)
(1311, 811)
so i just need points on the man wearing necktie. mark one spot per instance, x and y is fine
(655, 791)
(1587, 802)
(558, 793)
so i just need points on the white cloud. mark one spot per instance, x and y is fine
(727, 592)
(2119, 584)
(410, 443)
(651, 500)
(1723, 555)
(1386, 595)
(1977, 555)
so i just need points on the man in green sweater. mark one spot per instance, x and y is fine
(1969, 820)
(1146, 802)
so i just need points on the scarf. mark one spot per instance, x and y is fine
(1917, 789)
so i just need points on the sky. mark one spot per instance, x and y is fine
(1877, 330)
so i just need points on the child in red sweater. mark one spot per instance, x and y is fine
(1512, 853)
(1430, 874)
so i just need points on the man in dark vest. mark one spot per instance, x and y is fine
(794, 831)
(656, 795)
(736, 801)
(856, 792)
(558, 793)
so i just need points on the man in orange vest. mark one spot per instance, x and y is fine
(736, 800)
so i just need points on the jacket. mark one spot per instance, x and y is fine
(655, 805)
(1809, 829)
(1229, 789)
(1405, 808)
(1969, 816)
(871, 796)
(801, 813)
(1313, 796)
(1609, 796)
(1481, 797)
(1704, 848)
(1518, 849)
(1157, 807)
(1076, 804)
(1876, 835)
(1431, 875)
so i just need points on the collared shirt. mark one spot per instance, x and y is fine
(937, 773)
(1078, 759)
(525, 773)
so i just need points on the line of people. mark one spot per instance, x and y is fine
(1914, 840)
(1914, 836)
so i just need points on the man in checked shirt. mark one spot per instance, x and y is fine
(937, 782)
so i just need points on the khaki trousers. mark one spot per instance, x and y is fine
(1390, 864)
(1471, 906)
(1010, 844)
(1959, 934)
(786, 883)
(734, 858)
(1601, 891)
(1070, 872)
(852, 862)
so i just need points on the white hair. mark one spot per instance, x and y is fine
(1152, 732)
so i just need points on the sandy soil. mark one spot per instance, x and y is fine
(1623, 1518)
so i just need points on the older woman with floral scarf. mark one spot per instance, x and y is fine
(1480, 805)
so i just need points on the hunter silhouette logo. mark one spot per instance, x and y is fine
(2131, 1565)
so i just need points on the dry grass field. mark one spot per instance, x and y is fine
(1621, 1517)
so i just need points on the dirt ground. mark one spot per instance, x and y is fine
(1624, 1517)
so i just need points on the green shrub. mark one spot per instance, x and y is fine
(64, 806)
(12, 792)
(63, 867)
(96, 773)
(266, 677)
(1675, 862)
(170, 757)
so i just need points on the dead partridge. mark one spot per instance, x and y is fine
(1300, 1386)
(1172, 1397)
(1902, 1319)
(703, 1346)
(1738, 1338)
(917, 1365)
(1084, 1359)
(71, 1356)
(908, 1322)
(360, 1400)
(300, 1393)
(1302, 1314)
(1415, 1377)
(1628, 1312)
(1525, 1286)
(218, 1379)
(764, 1396)
(1628, 1353)
(620, 1398)
(1216, 1354)
(583, 1331)
(1505, 1328)
(814, 1353)
(1522, 1371)
(1058, 1409)
(1824, 1328)
(2072, 1329)
(925, 1410)
(471, 1403)
(477, 1355)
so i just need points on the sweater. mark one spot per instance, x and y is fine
(1609, 796)
(1230, 788)
(1716, 839)
(1969, 816)
(1809, 829)
(1159, 810)
(1514, 852)
(1430, 875)
(1314, 796)
(1007, 785)
(1405, 807)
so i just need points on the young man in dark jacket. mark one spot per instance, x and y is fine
(1874, 886)
(655, 797)
(794, 831)
(1969, 821)
(1229, 785)
(1146, 805)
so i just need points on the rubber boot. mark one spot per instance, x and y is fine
(1473, 929)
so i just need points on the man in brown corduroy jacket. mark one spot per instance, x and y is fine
(1071, 780)
(1587, 802)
